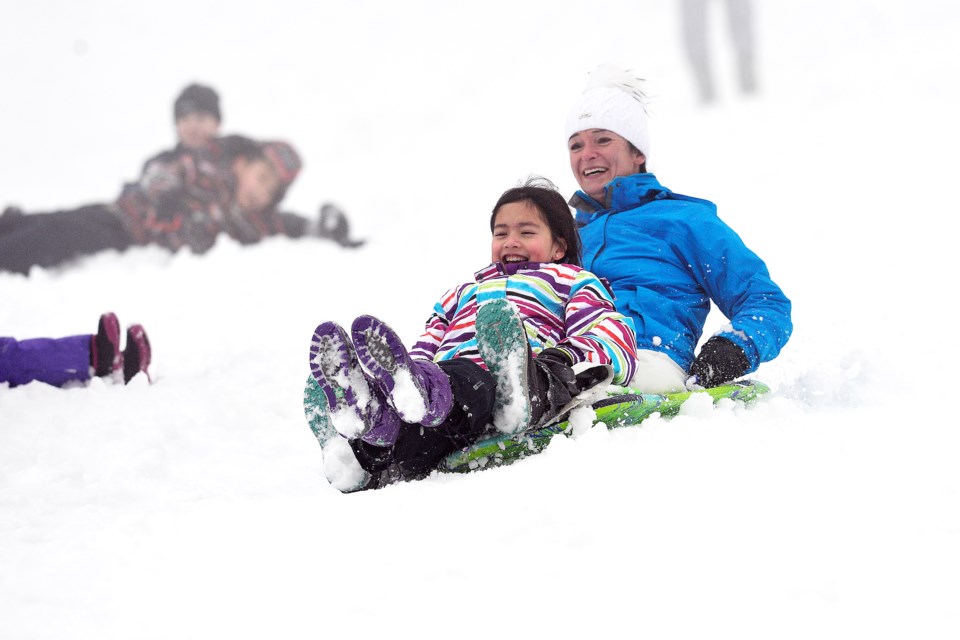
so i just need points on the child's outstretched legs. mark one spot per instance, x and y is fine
(418, 451)
(57, 361)
(418, 390)
(365, 443)
(356, 408)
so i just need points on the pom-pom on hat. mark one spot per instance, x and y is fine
(613, 100)
(197, 98)
(284, 160)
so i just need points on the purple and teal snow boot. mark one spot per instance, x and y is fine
(418, 390)
(105, 355)
(340, 464)
(356, 409)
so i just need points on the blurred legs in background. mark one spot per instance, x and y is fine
(693, 20)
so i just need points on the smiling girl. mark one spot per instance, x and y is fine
(502, 348)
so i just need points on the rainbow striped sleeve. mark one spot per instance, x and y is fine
(442, 326)
(596, 331)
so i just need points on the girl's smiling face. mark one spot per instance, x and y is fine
(520, 234)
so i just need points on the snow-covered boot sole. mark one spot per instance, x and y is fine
(333, 364)
(418, 391)
(502, 342)
(340, 465)
(355, 409)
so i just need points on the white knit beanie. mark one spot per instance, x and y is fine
(613, 100)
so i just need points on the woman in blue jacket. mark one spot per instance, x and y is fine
(666, 256)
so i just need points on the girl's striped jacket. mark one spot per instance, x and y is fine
(562, 306)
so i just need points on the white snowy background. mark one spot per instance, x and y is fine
(197, 507)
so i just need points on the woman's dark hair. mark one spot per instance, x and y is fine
(543, 195)
(633, 149)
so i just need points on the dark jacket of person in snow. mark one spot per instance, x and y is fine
(188, 197)
(185, 198)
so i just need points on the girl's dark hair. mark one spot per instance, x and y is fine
(543, 195)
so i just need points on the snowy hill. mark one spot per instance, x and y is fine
(196, 507)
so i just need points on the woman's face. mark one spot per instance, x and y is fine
(597, 156)
(520, 234)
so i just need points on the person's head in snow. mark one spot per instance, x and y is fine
(607, 133)
(196, 116)
(263, 174)
(533, 223)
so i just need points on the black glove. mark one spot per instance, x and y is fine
(555, 355)
(334, 225)
(552, 385)
(556, 376)
(588, 378)
(719, 362)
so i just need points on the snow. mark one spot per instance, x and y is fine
(406, 397)
(512, 408)
(197, 507)
(580, 421)
(341, 468)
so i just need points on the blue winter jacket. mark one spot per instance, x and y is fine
(667, 256)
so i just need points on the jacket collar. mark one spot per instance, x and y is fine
(624, 192)
(499, 269)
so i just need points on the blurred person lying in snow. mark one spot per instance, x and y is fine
(58, 361)
(185, 197)
(197, 118)
(514, 347)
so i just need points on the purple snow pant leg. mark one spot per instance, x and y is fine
(55, 361)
